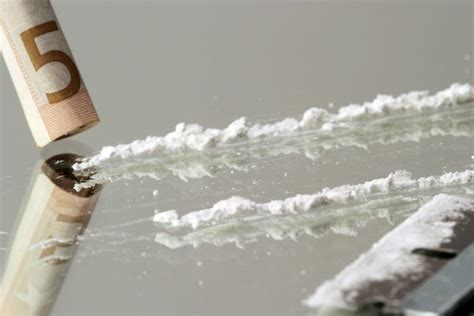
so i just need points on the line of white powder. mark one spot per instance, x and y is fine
(236, 207)
(316, 225)
(446, 122)
(391, 257)
(196, 137)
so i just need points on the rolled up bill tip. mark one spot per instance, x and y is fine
(53, 96)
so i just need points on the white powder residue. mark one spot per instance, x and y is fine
(391, 258)
(56, 257)
(236, 207)
(196, 137)
(455, 122)
(51, 242)
(314, 224)
(165, 217)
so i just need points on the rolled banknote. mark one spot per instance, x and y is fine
(54, 98)
(44, 243)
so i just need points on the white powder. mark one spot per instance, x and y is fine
(56, 257)
(165, 217)
(236, 207)
(51, 242)
(391, 258)
(455, 122)
(196, 137)
(314, 224)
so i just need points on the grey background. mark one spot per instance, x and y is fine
(150, 65)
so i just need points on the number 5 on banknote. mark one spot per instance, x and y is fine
(39, 60)
(53, 95)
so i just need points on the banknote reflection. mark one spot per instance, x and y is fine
(51, 218)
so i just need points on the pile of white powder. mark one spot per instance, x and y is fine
(388, 259)
(196, 137)
(454, 122)
(236, 207)
(345, 222)
(391, 257)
